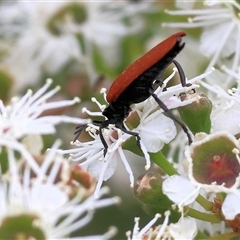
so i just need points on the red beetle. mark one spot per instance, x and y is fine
(137, 83)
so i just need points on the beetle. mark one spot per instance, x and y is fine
(137, 83)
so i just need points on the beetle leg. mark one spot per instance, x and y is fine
(103, 141)
(135, 134)
(170, 115)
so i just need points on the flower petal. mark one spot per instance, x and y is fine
(156, 132)
(179, 190)
(181, 230)
(231, 205)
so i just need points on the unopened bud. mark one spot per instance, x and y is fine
(81, 178)
(196, 115)
(148, 190)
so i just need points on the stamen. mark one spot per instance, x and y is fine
(149, 224)
(112, 231)
(48, 95)
(104, 92)
(77, 100)
(127, 167)
(85, 110)
(51, 155)
(101, 176)
(187, 198)
(101, 107)
(232, 73)
(192, 24)
(41, 91)
(146, 155)
(164, 225)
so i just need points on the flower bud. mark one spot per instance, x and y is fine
(22, 226)
(196, 115)
(148, 190)
(80, 180)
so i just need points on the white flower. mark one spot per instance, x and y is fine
(104, 20)
(184, 191)
(221, 30)
(211, 165)
(156, 130)
(35, 48)
(182, 229)
(45, 201)
(226, 105)
(148, 231)
(44, 34)
(89, 155)
(24, 115)
(179, 230)
(104, 27)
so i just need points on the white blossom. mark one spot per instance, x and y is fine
(147, 230)
(179, 230)
(221, 30)
(184, 190)
(39, 47)
(34, 47)
(182, 229)
(226, 105)
(47, 200)
(23, 116)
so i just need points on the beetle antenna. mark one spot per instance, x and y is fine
(78, 131)
(170, 115)
(97, 123)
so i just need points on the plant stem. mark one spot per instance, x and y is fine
(212, 218)
(225, 236)
(207, 205)
(159, 159)
(200, 236)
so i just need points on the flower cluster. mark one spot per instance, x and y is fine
(47, 35)
(185, 135)
(41, 194)
(90, 155)
(206, 172)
